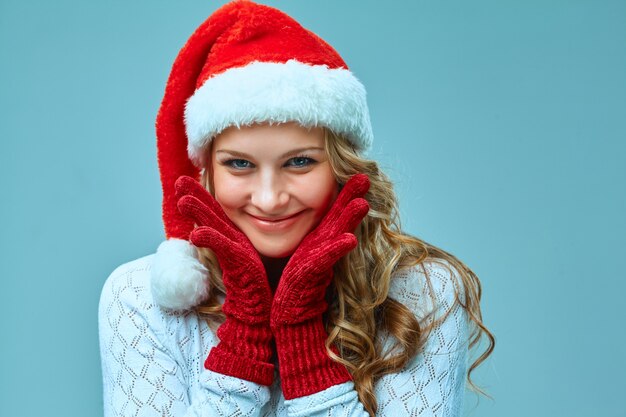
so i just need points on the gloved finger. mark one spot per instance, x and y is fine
(231, 253)
(352, 215)
(190, 206)
(188, 186)
(322, 257)
(355, 187)
(335, 250)
(202, 215)
(207, 237)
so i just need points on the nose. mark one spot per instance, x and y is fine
(270, 194)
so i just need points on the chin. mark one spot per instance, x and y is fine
(276, 252)
(276, 248)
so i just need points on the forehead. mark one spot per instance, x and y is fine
(269, 138)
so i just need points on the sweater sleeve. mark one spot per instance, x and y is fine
(145, 367)
(433, 382)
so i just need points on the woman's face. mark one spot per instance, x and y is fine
(274, 182)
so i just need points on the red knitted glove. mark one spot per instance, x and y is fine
(245, 346)
(296, 316)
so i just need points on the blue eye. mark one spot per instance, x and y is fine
(301, 161)
(238, 163)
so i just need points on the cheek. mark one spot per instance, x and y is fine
(230, 191)
(319, 193)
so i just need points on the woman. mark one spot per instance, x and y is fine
(286, 286)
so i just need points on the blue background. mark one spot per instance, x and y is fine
(503, 124)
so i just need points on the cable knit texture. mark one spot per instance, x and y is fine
(296, 317)
(245, 346)
(153, 359)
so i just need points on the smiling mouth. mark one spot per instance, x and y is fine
(276, 220)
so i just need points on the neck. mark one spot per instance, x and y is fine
(274, 269)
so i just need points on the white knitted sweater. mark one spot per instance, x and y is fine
(153, 359)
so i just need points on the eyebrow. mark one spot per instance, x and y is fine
(285, 155)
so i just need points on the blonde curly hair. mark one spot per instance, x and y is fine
(359, 306)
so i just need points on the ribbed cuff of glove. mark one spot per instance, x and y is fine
(244, 351)
(304, 365)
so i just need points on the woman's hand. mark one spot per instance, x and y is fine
(300, 293)
(296, 315)
(242, 268)
(245, 347)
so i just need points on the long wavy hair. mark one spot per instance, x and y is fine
(359, 306)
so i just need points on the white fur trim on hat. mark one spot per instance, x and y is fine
(178, 280)
(312, 95)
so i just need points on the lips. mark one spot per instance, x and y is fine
(274, 224)
(278, 219)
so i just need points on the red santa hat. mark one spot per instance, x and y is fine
(246, 64)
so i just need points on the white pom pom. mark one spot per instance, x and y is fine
(178, 280)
